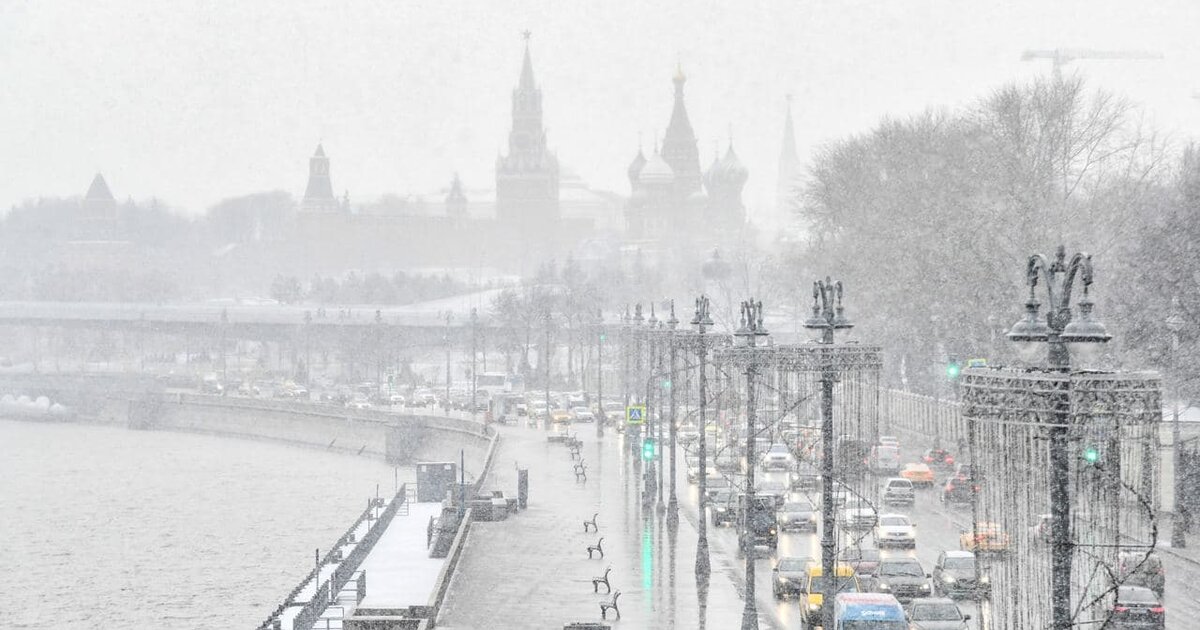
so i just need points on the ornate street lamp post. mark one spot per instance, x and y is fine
(600, 338)
(673, 501)
(748, 334)
(827, 316)
(701, 321)
(1066, 340)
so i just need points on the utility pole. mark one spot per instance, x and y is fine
(448, 315)
(650, 472)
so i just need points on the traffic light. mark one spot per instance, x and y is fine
(953, 368)
(1091, 454)
(648, 449)
(666, 383)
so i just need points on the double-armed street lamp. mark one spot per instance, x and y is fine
(828, 317)
(1067, 341)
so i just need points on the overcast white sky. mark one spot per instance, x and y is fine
(196, 101)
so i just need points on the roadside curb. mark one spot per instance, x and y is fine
(1175, 553)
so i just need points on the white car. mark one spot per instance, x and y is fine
(583, 414)
(895, 530)
(858, 514)
(777, 457)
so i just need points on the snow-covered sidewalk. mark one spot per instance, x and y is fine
(533, 568)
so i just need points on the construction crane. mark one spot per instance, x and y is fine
(1060, 57)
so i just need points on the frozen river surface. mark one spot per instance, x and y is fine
(111, 528)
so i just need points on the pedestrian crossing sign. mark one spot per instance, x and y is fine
(635, 414)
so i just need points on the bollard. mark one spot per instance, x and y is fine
(523, 487)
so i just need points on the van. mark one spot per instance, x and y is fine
(885, 459)
(868, 611)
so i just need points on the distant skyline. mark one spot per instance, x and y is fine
(193, 102)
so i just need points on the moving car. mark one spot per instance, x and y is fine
(1138, 569)
(756, 523)
(1138, 607)
(560, 415)
(895, 530)
(583, 414)
(777, 490)
(904, 578)
(818, 586)
(919, 474)
(955, 491)
(898, 491)
(797, 516)
(805, 478)
(857, 515)
(789, 575)
(940, 613)
(987, 538)
(938, 457)
(864, 560)
(954, 576)
(723, 506)
(777, 457)
(868, 611)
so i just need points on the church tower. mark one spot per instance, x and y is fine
(318, 195)
(527, 184)
(679, 148)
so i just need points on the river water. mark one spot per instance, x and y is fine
(110, 528)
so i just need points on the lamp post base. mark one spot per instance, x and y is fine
(673, 512)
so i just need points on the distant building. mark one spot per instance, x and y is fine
(456, 200)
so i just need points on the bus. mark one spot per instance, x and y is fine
(868, 611)
(499, 383)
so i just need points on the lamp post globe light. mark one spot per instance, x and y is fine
(1067, 342)
(828, 317)
(1179, 524)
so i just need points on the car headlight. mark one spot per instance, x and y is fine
(985, 580)
(949, 579)
(813, 606)
(884, 586)
(924, 587)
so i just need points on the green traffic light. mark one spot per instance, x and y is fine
(648, 450)
(953, 370)
(1091, 454)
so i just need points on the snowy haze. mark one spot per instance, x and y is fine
(196, 101)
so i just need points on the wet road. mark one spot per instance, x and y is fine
(938, 527)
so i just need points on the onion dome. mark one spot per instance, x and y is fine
(635, 168)
(729, 171)
(656, 172)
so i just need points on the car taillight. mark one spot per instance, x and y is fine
(949, 460)
(1158, 610)
(928, 459)
(950, 487)
(1121, 609)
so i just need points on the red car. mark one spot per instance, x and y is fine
(938, 457)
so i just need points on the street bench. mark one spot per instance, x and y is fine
(603, 579)
(610, 604)
(598, 547)
(580, 471)
(592, 524)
